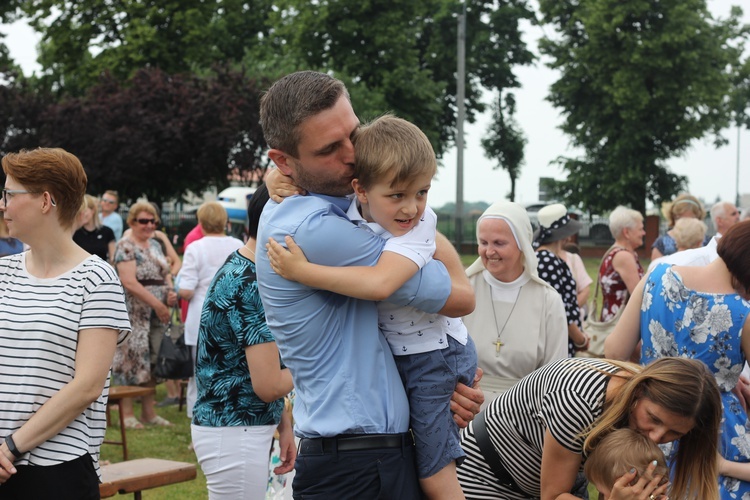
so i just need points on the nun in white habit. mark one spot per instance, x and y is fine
(519, 321)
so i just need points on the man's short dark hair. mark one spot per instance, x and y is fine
(291, 100)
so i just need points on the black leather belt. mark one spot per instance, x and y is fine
(353, 442)
(152, 282)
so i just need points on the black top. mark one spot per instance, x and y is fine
(95, 242)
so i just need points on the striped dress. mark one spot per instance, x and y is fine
(564, 396)
(39, 324)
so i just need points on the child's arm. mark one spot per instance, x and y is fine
(461, 300)
(376, 282)
(280, 186)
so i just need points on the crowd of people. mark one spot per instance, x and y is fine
(347, 327)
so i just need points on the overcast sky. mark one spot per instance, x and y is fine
(711, 172)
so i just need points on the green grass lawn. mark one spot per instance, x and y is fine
(169, 443)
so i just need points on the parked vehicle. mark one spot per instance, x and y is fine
(235, 199)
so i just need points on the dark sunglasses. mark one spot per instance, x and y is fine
(146, 221)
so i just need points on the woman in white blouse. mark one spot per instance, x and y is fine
(201, 261)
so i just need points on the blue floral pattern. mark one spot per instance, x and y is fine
(678, 321)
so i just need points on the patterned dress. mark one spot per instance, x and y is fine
(232, 319)
(614, 291)
(665, 244)
(132, 363)
(556, 272)
(678, 321)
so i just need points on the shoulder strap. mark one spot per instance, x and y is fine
(490, 455)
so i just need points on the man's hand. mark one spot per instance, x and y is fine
(742, 391)
(467, 401)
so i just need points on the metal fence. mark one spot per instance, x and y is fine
(595, 230)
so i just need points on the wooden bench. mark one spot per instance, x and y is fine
(116, 394)
(133, 476)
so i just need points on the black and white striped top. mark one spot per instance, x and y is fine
(39, 324)
(564, 396)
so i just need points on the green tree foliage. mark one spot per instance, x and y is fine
(740, 99)
(81, 39)
(161, 135)
(24, 108)
(394, 55)
(400, 55)
(505, 141)
(640, 81)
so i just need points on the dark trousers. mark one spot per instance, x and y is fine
(74, 480)
(362, 475)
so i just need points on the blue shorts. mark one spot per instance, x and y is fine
(430, 379)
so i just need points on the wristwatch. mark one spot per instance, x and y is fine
(12, 446)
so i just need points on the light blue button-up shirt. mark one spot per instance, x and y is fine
(344, 375)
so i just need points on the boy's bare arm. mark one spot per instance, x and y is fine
(376, 282)
(280, 186)
(461, 300)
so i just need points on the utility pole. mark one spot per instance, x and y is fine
(737, 182)
(460, 97)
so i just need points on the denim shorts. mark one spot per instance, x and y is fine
(430, 379)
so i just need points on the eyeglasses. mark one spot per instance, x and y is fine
(10, 193)
(146, 221)
(104, 200)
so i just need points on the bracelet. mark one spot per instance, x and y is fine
(581, 345)
(12, 446)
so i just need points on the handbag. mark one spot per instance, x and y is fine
(598, 331)
(175, 359)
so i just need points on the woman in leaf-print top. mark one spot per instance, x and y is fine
(700, 313)
(241, 381)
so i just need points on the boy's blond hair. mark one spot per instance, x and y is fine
(618, 452)
(391, 148)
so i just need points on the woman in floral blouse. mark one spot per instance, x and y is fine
(621, 270)
(700, 313)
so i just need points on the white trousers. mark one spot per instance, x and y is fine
(234, 460)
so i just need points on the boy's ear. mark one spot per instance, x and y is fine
(281, 159)
(359, 191)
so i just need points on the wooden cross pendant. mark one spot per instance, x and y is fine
(498, 345)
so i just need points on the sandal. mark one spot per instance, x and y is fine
(132, 423)
(158, 421)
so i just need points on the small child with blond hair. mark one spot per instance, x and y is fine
(621, 460)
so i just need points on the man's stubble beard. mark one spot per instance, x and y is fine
(313, 184)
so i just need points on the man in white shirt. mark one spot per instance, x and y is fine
(723, 215)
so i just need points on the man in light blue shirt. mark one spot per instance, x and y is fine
(109, 204)
(351, 408)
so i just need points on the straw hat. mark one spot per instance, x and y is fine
(555, 224)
